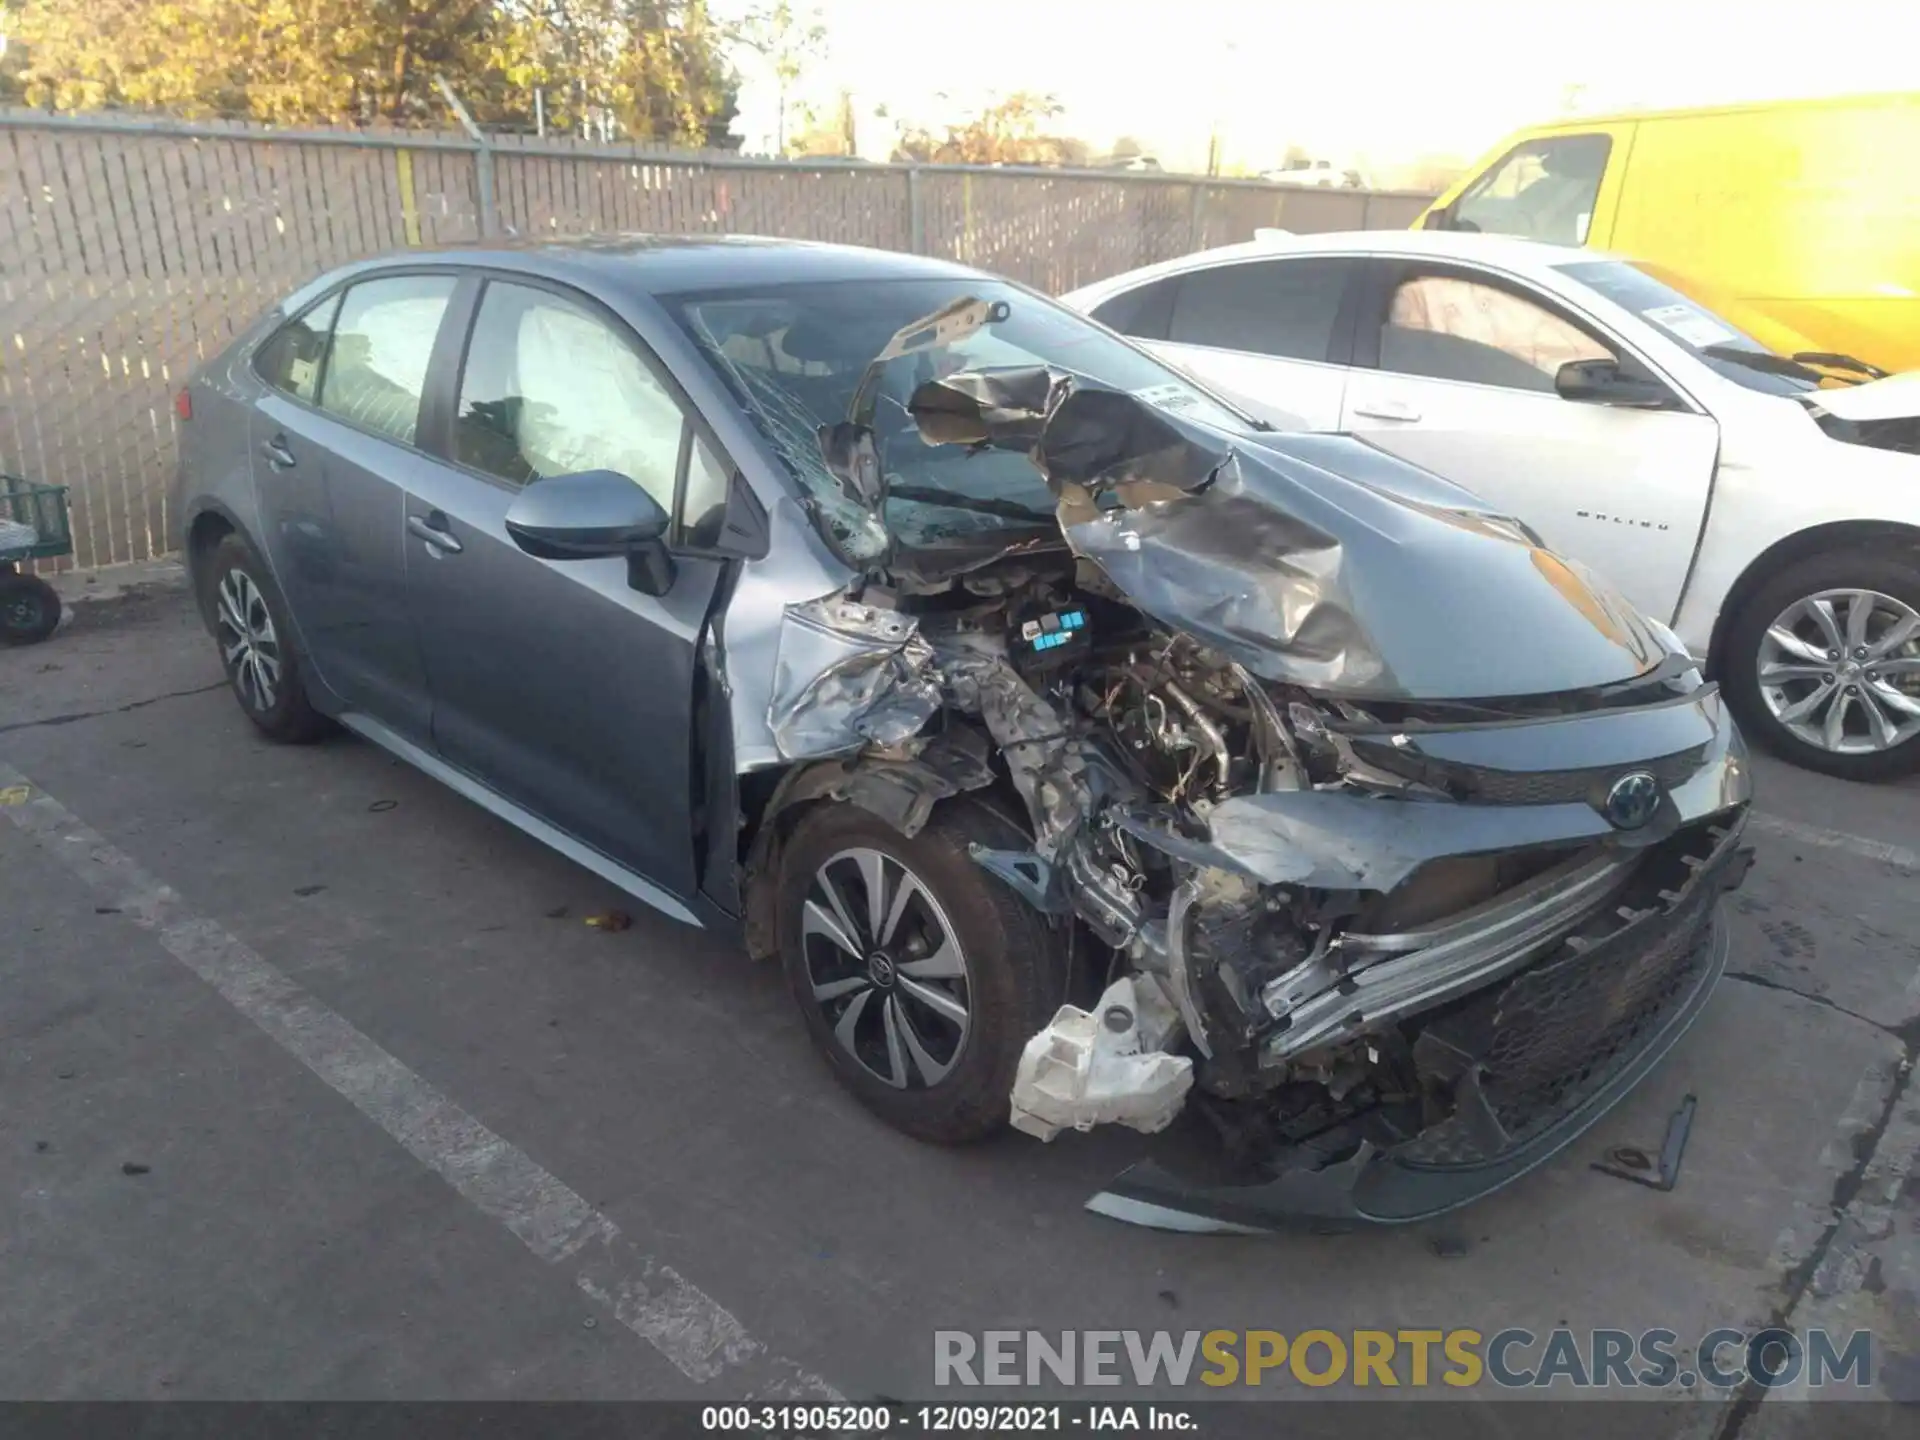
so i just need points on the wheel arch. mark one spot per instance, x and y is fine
(211, 524)
(1791, 549)
(904, 793)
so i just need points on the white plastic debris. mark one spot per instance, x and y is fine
(1106, 1067)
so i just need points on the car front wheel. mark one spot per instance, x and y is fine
(919, 975)
(1823, 664)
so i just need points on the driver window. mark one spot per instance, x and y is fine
(1544, 189)
(550, 389)
(1451, 328)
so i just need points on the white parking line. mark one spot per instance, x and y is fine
(1897, 856)
(700, 1337)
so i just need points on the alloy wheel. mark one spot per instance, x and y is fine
(1840, 670)
(887, 971)
(248, 641)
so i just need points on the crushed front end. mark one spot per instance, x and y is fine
(1514, 962)
(1392, 845)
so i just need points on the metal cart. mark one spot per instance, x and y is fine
(33, 526)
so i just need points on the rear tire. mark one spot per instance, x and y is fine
(29, 609)
(1833, 630)
(263, 662)
(959, 977)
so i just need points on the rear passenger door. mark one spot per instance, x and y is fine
(335, 441)
(1273, 334)
(556, 683)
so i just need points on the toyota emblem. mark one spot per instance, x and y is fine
(1633, 799)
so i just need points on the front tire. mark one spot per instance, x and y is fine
(1823, 664)
(263, 662)
(920, 977)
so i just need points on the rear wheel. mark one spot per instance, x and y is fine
(1823, 664)
(29, 609)
(263, 664)
(920, 977)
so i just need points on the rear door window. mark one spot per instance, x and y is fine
(1543, 189)
(376, 370)
(1288, 309)
(290, 359)
(1142, 312)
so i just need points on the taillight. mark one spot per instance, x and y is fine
(183, 405)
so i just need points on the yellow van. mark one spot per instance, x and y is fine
(1799, 221)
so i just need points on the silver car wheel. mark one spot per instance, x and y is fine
(249, 644)
(887, 971)
(1840, 670)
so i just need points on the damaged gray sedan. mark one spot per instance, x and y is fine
(1085, 752)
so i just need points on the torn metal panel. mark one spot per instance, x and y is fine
(797, 566)
(847, 675)
(1311, 560)
(1048, 771)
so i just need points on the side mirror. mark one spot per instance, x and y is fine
(591, 515)
(1603, 382)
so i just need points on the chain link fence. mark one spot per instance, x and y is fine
(132, 250)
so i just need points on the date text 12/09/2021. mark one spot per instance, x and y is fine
(943, 1419)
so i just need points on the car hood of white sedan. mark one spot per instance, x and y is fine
(1895, 398)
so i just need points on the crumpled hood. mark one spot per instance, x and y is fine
(1314, 560)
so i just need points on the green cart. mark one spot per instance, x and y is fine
(33, 526)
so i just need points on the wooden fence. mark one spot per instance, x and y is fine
(132, 250)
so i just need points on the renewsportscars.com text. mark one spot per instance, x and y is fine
(1514, 1358)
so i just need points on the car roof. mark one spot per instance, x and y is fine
(649, 265)
(1506, 252)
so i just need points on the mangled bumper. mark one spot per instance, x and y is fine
(1529, 1063)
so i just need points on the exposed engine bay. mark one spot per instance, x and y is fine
(1392, 941)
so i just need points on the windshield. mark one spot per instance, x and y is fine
(1692, 326)
(794, 355)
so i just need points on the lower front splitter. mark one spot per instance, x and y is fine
(1373, 1188)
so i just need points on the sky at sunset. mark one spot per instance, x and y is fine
(1382, 79)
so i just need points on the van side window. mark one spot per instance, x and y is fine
(1544, 189)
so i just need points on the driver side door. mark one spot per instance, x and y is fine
(554, 682)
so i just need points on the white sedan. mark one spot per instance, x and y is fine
(1765, 509)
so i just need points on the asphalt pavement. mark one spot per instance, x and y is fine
(315, 1082)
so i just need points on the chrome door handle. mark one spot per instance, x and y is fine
(1388, 410)
(440, 539)
(277, 453)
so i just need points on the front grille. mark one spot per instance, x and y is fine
(1559, 787)
(1557, 1033)
(1474, 783)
